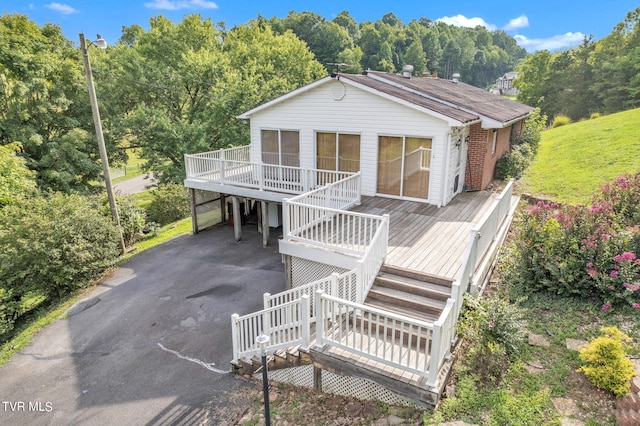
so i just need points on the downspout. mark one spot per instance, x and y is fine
(447, 160)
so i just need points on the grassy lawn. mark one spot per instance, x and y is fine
(132, 169)
(573, 161)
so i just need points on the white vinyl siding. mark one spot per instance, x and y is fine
(358, 112)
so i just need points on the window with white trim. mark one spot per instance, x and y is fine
(280, 147)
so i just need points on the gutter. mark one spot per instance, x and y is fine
(445, 185)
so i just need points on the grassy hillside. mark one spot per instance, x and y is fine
(575, 160)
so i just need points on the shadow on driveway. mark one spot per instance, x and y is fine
(152, 343)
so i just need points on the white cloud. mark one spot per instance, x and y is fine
(65, 9)
(550, 43)
(520, 22)
(463, 21)
(181, 4)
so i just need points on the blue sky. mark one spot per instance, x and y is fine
(541, 24)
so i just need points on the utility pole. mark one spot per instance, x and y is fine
(100, 43)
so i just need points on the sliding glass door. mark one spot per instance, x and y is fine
(338, 151)
(404, 165)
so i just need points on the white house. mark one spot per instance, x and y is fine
(504, 85)
(423, 139)
(365, 173)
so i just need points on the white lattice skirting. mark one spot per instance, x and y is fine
(338, 385)
(305, 271)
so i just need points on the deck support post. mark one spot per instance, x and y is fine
(265, 223)
(317, 379)
(194, 214)
(223, 208)
(237, 219)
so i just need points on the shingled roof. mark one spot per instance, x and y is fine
(460, 102)
(459, 96)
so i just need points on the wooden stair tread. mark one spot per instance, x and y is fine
(408, 312)
(418, 275)
(413, 286)
(405, 298)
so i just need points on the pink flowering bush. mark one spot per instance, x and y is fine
(620, 282)
(624, 195)
(584, 250)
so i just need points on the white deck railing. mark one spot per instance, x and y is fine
(390, 339)
(482, 236)
(320, 218)
(233, 166)
(373, 258)
(339, 285)
(334, 303)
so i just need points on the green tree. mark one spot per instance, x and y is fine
(326, 39)
(616, 63)
(347, 22)
(531, 72)
(16, 180)
(415, 56)
(44, 104)
(177, 88)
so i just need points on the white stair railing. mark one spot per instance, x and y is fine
(286, 325)
(388, 338)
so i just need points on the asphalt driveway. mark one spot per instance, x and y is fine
(151, 345)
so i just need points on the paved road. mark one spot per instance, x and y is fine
(134, 185)
(151, 345)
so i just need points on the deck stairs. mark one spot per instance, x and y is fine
(410, 293)
(401, 291)
(283, 358)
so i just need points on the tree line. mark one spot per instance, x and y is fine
(479, 55)
(598, 76)
(176, 88)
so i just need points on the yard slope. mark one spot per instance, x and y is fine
(573, 161)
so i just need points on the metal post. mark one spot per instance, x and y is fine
(263, 341)
(103, 151)
(265, 222)
(265, 388)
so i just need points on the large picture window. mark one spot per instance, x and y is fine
(338, 151)
(281, 147)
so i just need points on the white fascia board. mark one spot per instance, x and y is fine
(452, 122)
(490, 123)
(296, 92)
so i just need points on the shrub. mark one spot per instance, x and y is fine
(514, 162)
(495, 331)
(560, 120)
(594, 115)
(606, 363)
(133, 219)
(50, 247)
(532, 133)
(624, 195)
(524, 147)
(582, 250)
(170, 203)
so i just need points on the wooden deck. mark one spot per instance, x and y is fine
(427, 238)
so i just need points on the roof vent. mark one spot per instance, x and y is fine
(407, 70)
(455, 78)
